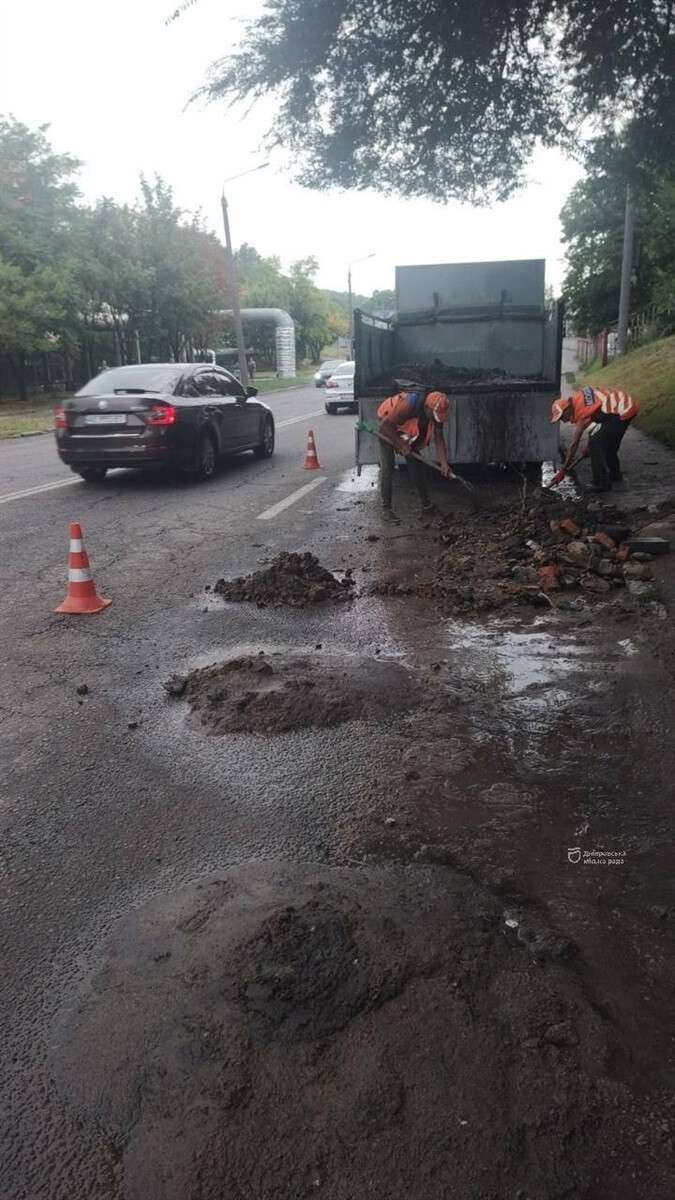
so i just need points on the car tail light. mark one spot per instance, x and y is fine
(331, 383)
(60, 418)
(161, 414)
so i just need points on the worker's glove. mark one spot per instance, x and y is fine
(559, 476)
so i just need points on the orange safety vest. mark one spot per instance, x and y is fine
(591, 401)
(408, 429)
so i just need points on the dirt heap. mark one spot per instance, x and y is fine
(296, 1030)
(277, 693)
(292, 579)
(515, 550)
(446, 377)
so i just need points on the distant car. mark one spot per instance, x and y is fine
(179, 415)
(340, 389)
(325, 371)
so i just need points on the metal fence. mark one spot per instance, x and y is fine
(655, 321)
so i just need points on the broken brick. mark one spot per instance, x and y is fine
(548, 577)
(570, 526)
(603, 539)
(622, 553)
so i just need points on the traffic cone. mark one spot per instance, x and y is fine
(311, 457)
(81, 596)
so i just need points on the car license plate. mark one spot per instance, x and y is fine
(105, 419)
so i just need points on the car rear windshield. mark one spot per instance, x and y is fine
(144, 378)
(345, 368)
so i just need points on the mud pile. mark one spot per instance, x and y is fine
(297, 1030)
(278, 693)
(441, 375)
(290, 579)
(529, 552)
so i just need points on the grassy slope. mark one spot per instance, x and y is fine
(649, 374)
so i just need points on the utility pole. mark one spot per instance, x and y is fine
(351, 300)
(626, 272)
(234, 297)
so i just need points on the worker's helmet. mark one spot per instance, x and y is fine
(559, 408)
(437, 406)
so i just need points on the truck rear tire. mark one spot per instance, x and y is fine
(331, 409)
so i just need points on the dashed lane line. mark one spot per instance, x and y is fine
(274, 511)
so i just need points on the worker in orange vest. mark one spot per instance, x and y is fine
(605, 415)
(409, 421)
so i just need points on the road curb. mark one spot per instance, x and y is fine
(12, 437)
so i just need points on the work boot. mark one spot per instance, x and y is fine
(389, 516)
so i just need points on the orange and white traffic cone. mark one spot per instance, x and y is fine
(81, 595)
(311, 457)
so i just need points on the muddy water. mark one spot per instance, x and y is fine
(550, 778)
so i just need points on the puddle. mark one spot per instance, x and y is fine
(351, 482)
(517, 660)
(567, 490)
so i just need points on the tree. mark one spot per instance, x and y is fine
(593, 220)
(447, 98)
(37, 268)
(31, 306)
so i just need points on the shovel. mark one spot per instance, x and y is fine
(368, 427)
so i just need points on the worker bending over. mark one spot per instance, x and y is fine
(605, 415)
(407, 423)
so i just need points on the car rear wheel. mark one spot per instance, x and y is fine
(206, 458)
(265, 447)
(93, 474)
(331, 409)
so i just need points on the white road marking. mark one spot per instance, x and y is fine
(59, 483)
(274, 511)
(319, 412)
(38, 489)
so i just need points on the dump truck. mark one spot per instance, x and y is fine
(484, 334)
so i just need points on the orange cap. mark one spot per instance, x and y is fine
(438, 406)
(558, 408)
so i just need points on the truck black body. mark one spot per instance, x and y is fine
(482, 333)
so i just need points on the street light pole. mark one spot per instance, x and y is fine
(234, 280)
(234, 297)
(351, 300)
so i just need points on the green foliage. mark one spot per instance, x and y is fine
(593, 220)
(31, 306)
(318, 321)
(446, 98)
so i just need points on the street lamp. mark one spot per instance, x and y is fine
(351, 301)
(234, 281)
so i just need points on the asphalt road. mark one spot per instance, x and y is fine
(96, 816)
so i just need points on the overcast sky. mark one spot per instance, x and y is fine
(113, 81)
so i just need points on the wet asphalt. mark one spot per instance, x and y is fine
(96, 816)
(111, 798)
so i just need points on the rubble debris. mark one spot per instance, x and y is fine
(290, 579)
(510, 553)
(446, 377)
(82, 689)
(279, 692)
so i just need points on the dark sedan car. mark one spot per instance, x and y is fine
(180, 415)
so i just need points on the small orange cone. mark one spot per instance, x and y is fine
(311, 458)
(81, 596)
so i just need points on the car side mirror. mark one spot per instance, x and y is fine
(251, 392)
